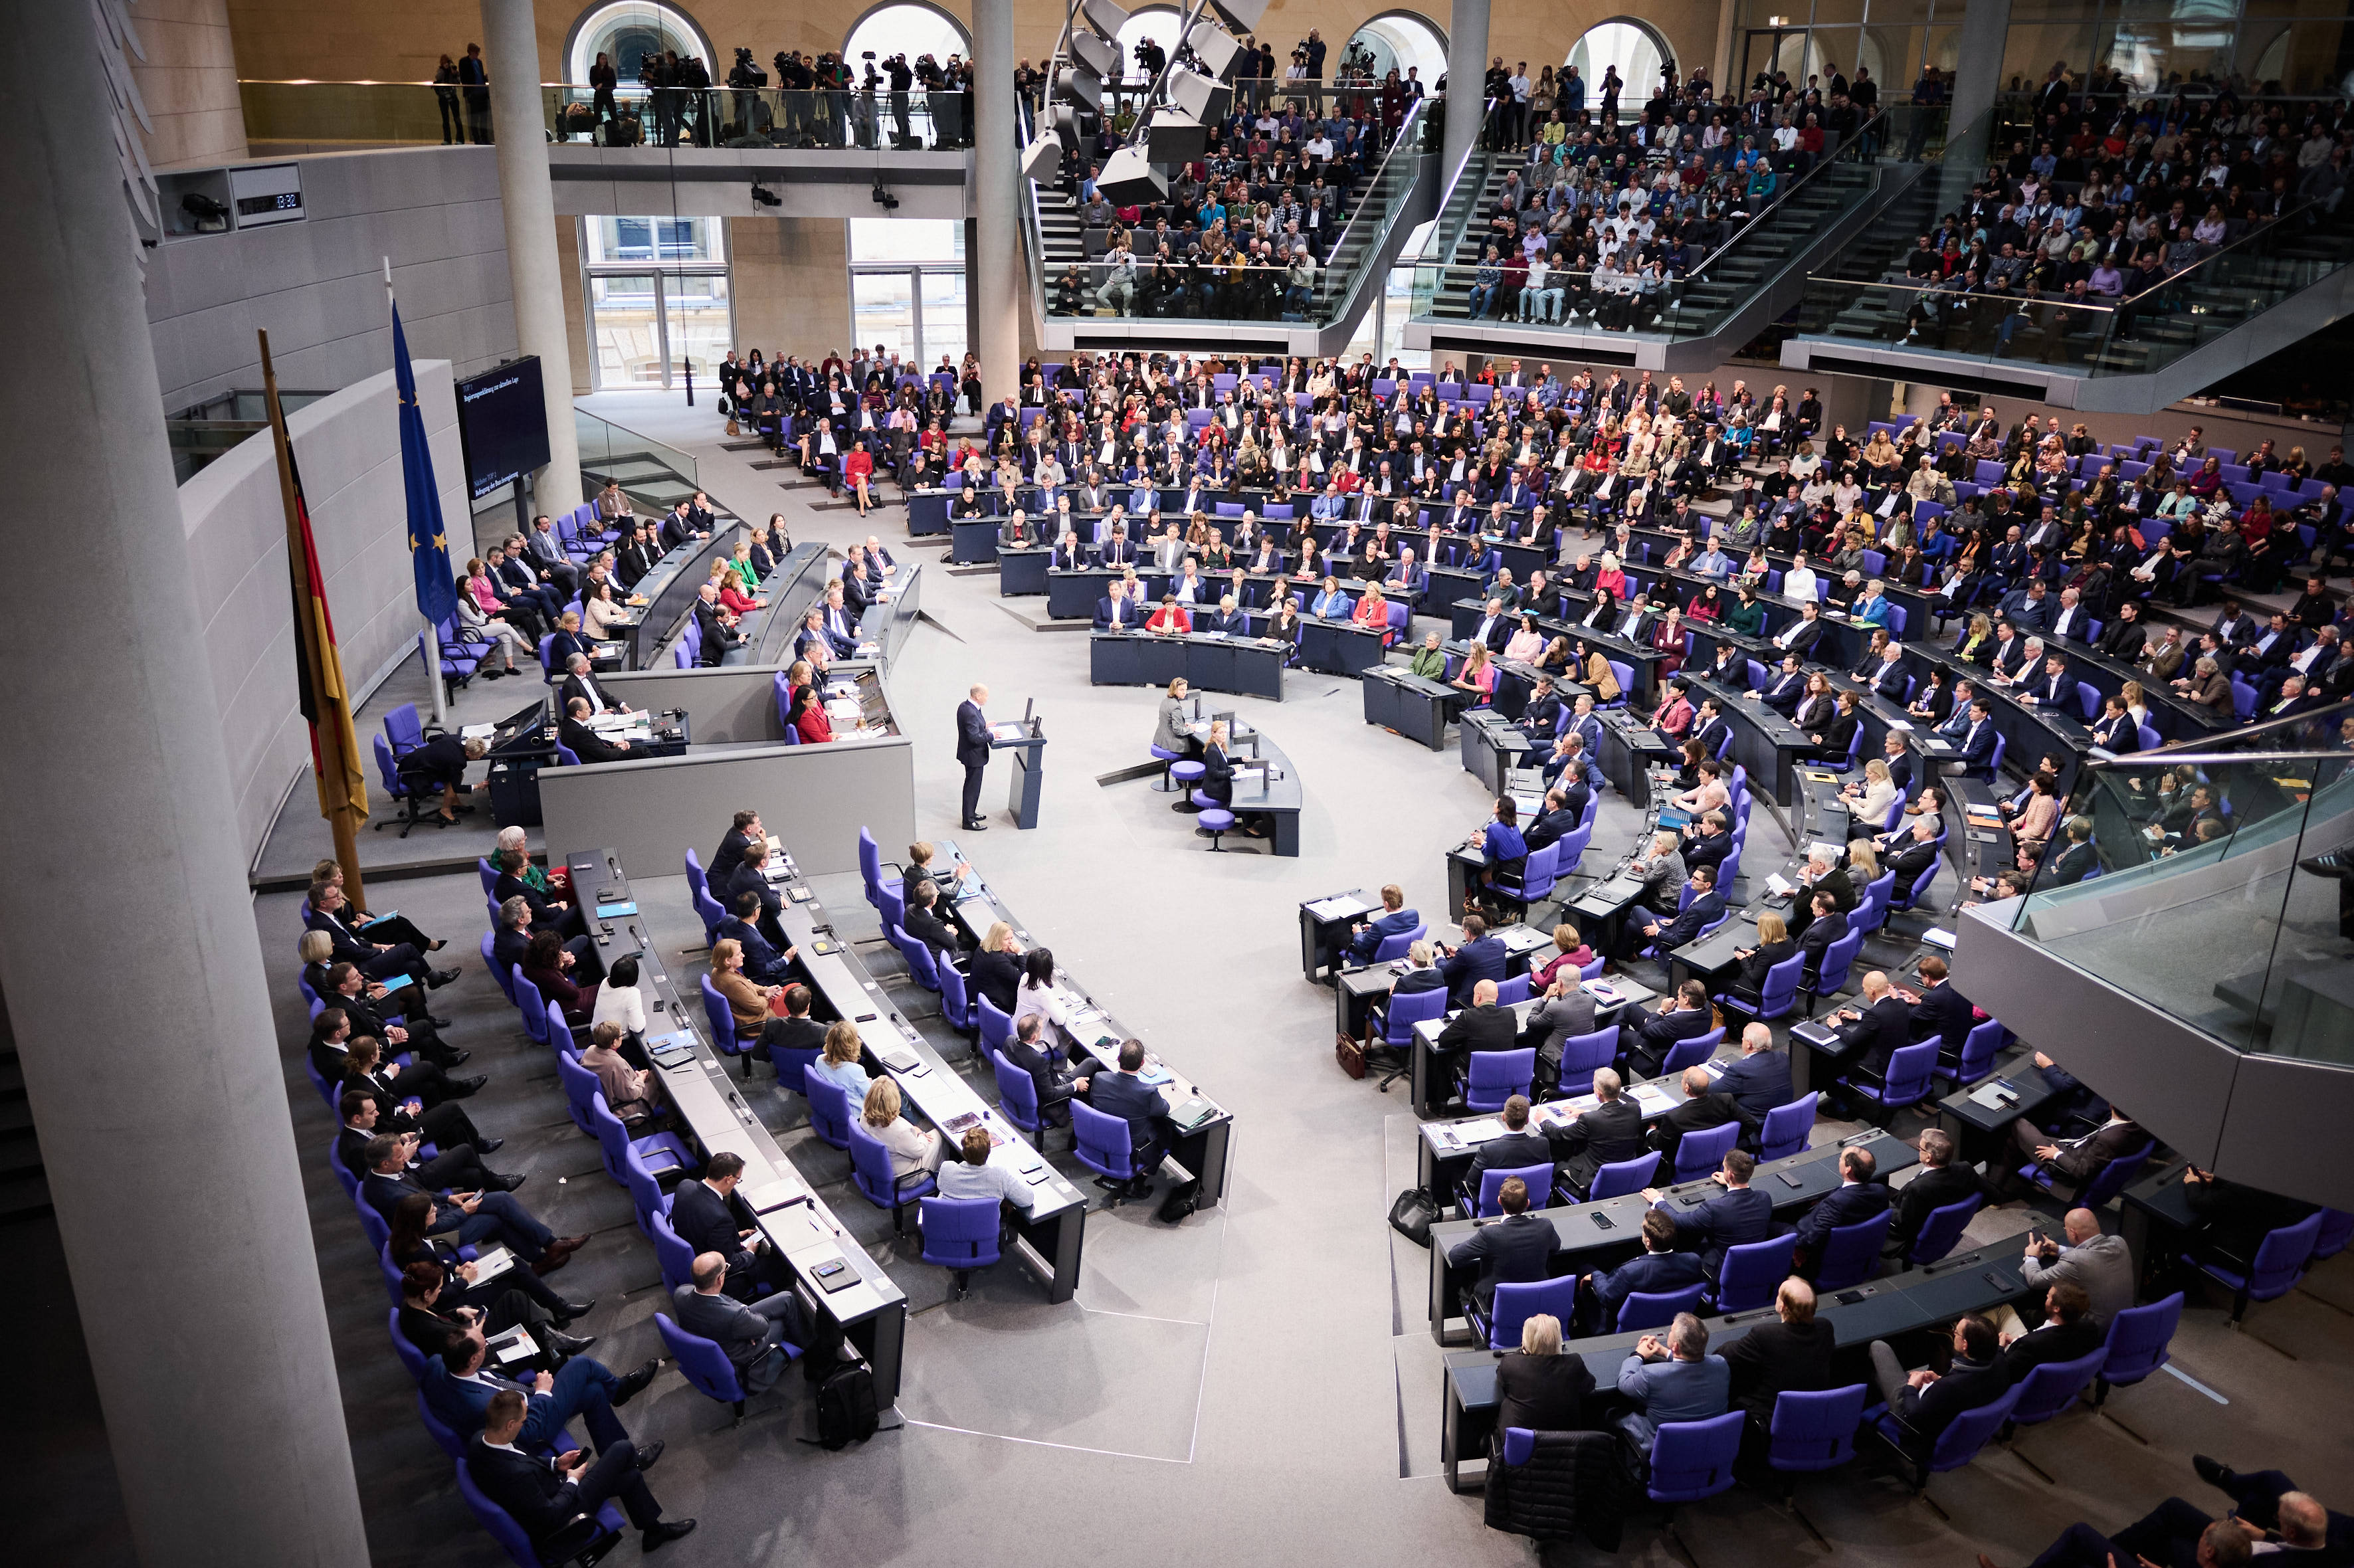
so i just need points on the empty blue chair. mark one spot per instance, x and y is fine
(1495, 1076)
(674, 1256)
(1976, 1060)
(1908, 1078)
(1698, 1154)
(1626, 1176)
(956, 998)
(960, 1236)
(1751, 1274)
(659, 1152)
(1583, 1055)
(830, 1111)
(1536, 878)
(1691, 1052)
(1942, 1231)
(1836, 958)
(2137, 1344)
(646, 1195)
(2336, 1229)
(1851, 1253)
(1788, 1128)
(893, 906)
(2279, 1264)
(1693, 1459)
(871, 1172)
(2053, 1386)
(1105, 1146)
(404, 729)
(1485, 1204)
(1516, 1304)
(871, 867)
(1657, 1309)
(1814, 1431)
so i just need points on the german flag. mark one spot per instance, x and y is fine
(320, 694)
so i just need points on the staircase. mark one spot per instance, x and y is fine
(1725, 282)
(24, 1185)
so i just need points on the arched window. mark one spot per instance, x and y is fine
(1400, 41)
(630, 31)
(907, 29)
(1159, 23)
(1633, 48)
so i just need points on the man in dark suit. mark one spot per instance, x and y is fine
(1660, 1268)
(1937, 1183)
(1760, 1080)
(1915, 861)
(764, 962)
(924, 923)
(1782, 693)
(1792, 1353)
(1479, 957)
(1125, 1094)
(1705, 1108)
(1734, 1217)
(1117, 612)
(717, 626)
(457, 1164)
(791, 1043)
(972, 754)
(2298, 1531)
(1517, 1150)
(1709, 727)
(1484, 1025)
(331, 913)
(585, 743)
(752, 876)
(1611, 1132)
(1800, 635)
(1707, 905)
(709, 1218)
(751, 1332)
(1856, 1199)
(1366, 937)
(1707, 843)
(1976, 745)
(581, 681)
(1052, 1084)
(1682, 1016)
(1939, 1012)
(1515, 1250)
(1558, 818)
(1925, 1403)
(418, 1031)
(460, 1389)
(545, 1497)
(476, 1217)
(2068, 1333)
(1827, 927)
(1878, 1028)
(746, 827)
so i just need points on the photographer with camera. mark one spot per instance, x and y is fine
(745, 79)
(794, 81)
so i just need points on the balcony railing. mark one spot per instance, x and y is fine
(2196, 881)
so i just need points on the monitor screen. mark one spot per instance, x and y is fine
(502, 420)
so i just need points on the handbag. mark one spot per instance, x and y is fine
(1350, 1054)
(1413, 1213)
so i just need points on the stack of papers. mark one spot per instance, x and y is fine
(1652, 1098)
(478, 731)
(1994, 1096)
(1477, 1133)
(1341, 907)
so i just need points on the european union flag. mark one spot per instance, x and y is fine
(429, 541)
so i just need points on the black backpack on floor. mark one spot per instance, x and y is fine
(845, 1408)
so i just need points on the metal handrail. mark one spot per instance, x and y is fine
(1408, 128)
(1773, 207)
(1444, 242)
(2172, 753)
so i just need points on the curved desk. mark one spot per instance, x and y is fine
(1265, 781)
(1206, 661)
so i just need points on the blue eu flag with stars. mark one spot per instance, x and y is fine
(429, 541)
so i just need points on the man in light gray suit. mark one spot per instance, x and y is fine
(748, 1333)
(1565, 1009)
(2101, 1265)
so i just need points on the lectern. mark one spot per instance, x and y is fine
(1026, 738)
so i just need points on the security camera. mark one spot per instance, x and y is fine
(883, 198)
(763, 197)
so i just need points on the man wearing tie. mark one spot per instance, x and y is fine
(972, 754)
(1782, 693)
(841, 630)
(1976, 745)
(2070, 620)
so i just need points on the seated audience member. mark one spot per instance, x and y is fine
(1611, 1132)
(1924, 1401)
(1656, 1270)
(455, 1165)
(1675, 1380)
(1485, 1025)
(435, 1312)
(620, 1003)
(1479, 957)
(1517, 1250)
(2075, 1160)
(391, 928)
(842, 1065)
(1706, 908)
(2066, 1333)
(1759, 1081)
(476, 1216)
(584, 1389)
(545, 965)
(752, 1333)
(925, 924)
(416, 1098)
(748, 1002)
(1937, 1183)
(763, 963)
(576, 736)
(1791, 1354)
(1877, 1030)
(1518, 1149)
(2101, 1265)
(1704, 1107)
(2219, 1543)
(377, 960)
(1563, 1008)
(632, 1094)
(1048, 1077)
(1734, 1217)
(1125, 1094)
(546, 1497)
(1539, 1388)
(1856, 1199)
(1365, 937)
(912, 1150)
(2270, 1519)
(1683, 1016)
(347, 992)
(790, 1042)
(970, 1175)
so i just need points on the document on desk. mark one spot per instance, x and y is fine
(1653, 1101)
(492, 1262)
(478, 731)
(1472, 1134)
(1996, 1096)
(1938, 938)
(1005, 731)
(1341, 907)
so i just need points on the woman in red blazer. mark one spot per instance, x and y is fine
(858, 468)
(809, 716)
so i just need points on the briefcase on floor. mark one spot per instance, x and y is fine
(1351, 1054)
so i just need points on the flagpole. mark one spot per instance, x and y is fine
(326, 740)
(432, 639)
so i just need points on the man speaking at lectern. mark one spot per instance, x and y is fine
(972, 750)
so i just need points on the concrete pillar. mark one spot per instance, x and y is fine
(993, 266)
(511, 50)
(161, 1106)
(1467, 72)
(1978, 74)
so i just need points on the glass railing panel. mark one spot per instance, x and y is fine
(2199, 885)
(603, 441)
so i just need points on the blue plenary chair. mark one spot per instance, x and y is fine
(1512, 990)
(1017, 1098)
(704, 1364)
(699, 889)
(1691, 1052)
(871, 867)
(722, 1020)
(1698, 1154)
(1907, 1083)
(870, 1171)
(1515, 1304)
(1956, 1445)
(1851, 1253)
(1814, 1431)
(1837, 960)
(663, 1153)
(676, 1258)
(1626, 1176)
(1693, 1459)
(2050, 1388)
(2279, 1264)
(1788, 1128)
(1495, 1076)
(1778, 997)
(1977, 1059)
(1105, 1147)
(1583, 1055)
(1751, 1273)
(829, 1105)
(1942, 1231)
(2139, 1344)
(1657, 1309)
(960, 1236)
